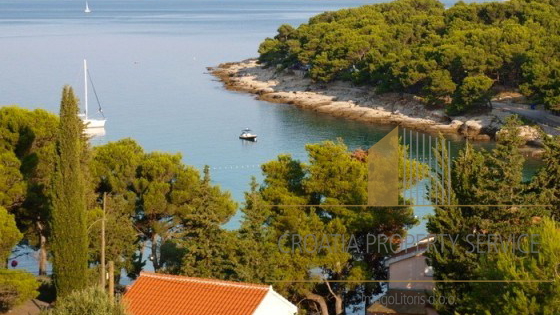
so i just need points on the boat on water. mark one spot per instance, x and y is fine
(87, 10)
(247, 135)
(91, 122)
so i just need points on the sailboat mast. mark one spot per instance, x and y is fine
(85, 88)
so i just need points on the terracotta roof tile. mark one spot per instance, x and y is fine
(159, 294)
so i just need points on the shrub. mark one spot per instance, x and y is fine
(90, 301)
(16, 287)
(10, 235)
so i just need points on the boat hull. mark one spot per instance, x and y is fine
(94, 123)
(248, 138)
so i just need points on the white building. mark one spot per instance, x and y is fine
(410, 285)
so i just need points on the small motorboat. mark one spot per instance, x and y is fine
(247, 135)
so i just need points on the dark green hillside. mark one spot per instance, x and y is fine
(454, 57)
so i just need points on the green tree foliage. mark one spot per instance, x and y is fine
(12, 185)
(69, 235)
(88, 301)
(542, 76)
(267, 248)
(204, 241)
(154, 186)
(472, 93)
(149, 195)
(453, 55)
(452, 261)
(10, 235)
(537, 259)
(478, 178)
(440, 85)
(30, 136)
(16, 286)
(168, 205)
(545, 186)
(254, 242)
(120, 234)
(114, 169)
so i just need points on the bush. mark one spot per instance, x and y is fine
(10, 235)
(16, 287)
(90, 301)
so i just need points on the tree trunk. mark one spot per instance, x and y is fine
(337, 299)
(319, 300)
(155, 260)
(338, 305)
(42, 250)
(43, 256)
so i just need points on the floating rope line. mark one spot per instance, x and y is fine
(235, 167)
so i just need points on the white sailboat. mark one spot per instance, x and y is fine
(90, 123)
(87, 10)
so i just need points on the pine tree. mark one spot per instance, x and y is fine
(546, 184)
(333, 176)
(255, 243)
(30, 136)
(536, 263)
(69, 232)
(452, 261)
(206, 243)
(154, 185)
(493, 182)
(501, 183)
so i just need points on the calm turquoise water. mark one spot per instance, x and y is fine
(148, 61)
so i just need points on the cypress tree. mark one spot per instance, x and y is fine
(69, 232)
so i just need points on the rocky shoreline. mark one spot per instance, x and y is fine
(341, 99)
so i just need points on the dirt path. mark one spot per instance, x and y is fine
(549, 122)
(31, 307)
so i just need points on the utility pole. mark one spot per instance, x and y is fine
(103, 269)
(111, 281)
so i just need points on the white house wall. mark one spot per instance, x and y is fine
(274, 304)
(413, 268)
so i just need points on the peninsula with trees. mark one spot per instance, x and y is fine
(415, 63)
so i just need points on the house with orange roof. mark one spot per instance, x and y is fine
(161, 294)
